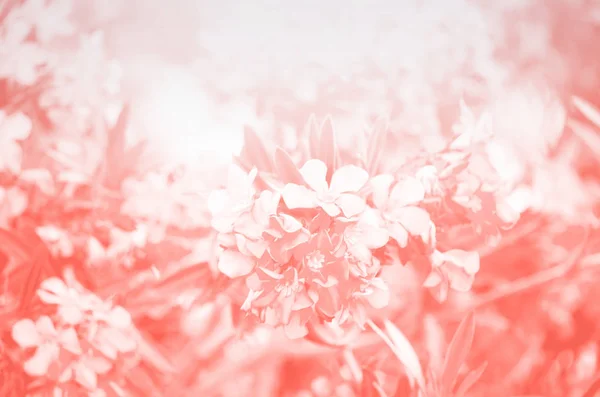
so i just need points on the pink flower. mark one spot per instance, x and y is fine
(455, 269)
(13, 202)
(337, 197)
(71, 300)
(398, 207)
(226, 205)
(85, 370)
(13, 129)
(234, 264)
(365, 235)
(58, 240)
(282, 299)
(376, 293)
(43, 335)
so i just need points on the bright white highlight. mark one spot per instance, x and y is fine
(177, 114)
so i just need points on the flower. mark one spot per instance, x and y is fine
(455, 269)
(365, 235)
(85, 370)
(13, 129)
(58, 239)
(13, 202)
(48, 340)
(398, 206)
(337, 197)
(72, 302)
(227, 205)
(50, 19)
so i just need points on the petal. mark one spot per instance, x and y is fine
(55, 286)
(69, 340)
(40, 362)
(380, 295)
(331, 209)
(25, 333)
(297, 196)
(467, 260)
(119, 318)
(351, 204)
(233, 264)
(407, 191)
(360, 252)
(414, 219)
(348, 178)
(257, 247)
(99, 365)
(70, 313)
(314, 173)
(86, 377)
(460, 280)
(398, 233)
(18, 126)
(288, 223)
(224, 224)
(45, 326)
(381, 185)
(49, 297)
(375, 237)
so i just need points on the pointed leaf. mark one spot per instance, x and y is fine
(255, 151)
(32, 281)
(368, 387)
(13, 246)
(403, 389)
(457, 351)
(151, 355)
(314, 135)
(587, 134)
(405, 352)
(286, 169)
(328, 147)
(117, 136)
(593, 389)
(376, 149)
(589, 111)
(469, 381)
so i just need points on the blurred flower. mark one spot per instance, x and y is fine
(58, 240)
(13, 129)
(13, 202)
(47, 339)
(398, 206)
(339, 197)
(455, 269)
(72, 303)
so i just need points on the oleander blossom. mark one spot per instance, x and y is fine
(78, 346)
(310, 240)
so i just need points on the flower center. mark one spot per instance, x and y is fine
(315, 260)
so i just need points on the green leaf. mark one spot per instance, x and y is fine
(405, 352)
(469, 381)
(255, 152)
(376, 148)
(328, 151)
(589, 111)
(457, 352)
(151, 355)
(286, 169)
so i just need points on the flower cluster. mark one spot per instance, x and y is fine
(79, 346)
(310, 241)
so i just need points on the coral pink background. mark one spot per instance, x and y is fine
(299, 199)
